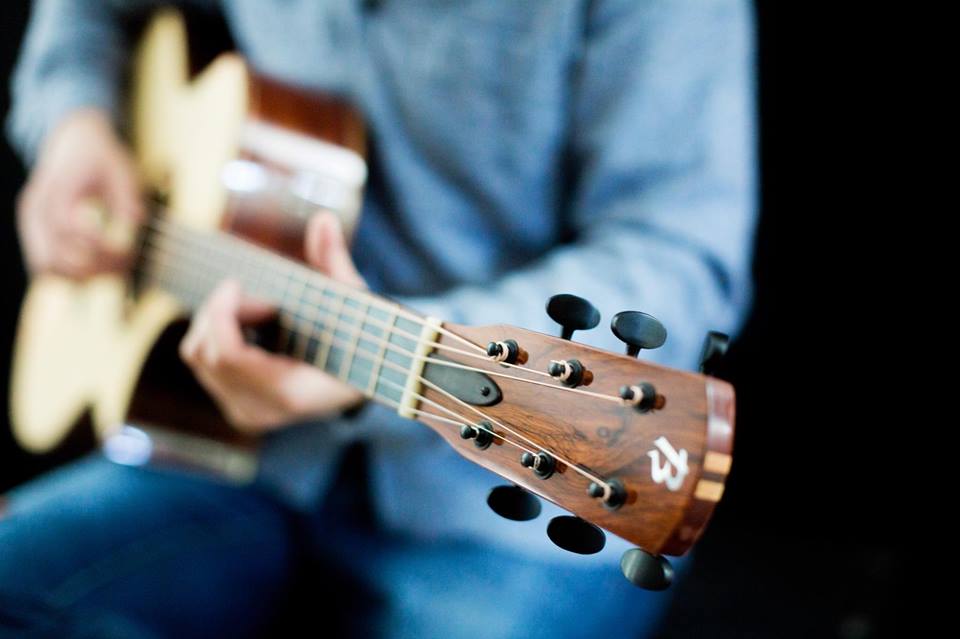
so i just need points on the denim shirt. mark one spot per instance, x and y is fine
(519, 149)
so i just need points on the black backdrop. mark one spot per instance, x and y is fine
(807, 542)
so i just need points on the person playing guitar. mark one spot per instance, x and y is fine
(516, 150)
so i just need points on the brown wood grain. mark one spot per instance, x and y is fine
(608, 438)
(318, 115)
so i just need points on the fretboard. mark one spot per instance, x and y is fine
(356, 336)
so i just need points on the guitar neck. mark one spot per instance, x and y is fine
(373, 344)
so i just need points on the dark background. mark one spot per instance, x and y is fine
(808, 541)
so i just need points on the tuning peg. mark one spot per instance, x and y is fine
(513, 502)
(572, 313)
(714, 348)
(650, 572)
(481, 434)
(576, 535)
(638, 330)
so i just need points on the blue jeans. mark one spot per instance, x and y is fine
(101, 550)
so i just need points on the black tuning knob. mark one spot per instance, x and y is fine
(513, 502)
(638, 330)
(650, 572)
(714, 348)
(572, 313)
(576, 535)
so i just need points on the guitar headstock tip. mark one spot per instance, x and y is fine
(646, 571)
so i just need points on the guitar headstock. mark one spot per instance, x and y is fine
(633, 447)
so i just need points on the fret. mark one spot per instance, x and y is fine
(369, 337)
(312, 314)
(361, 369)
(354, 342)
(329, 331)
(365, 343)
(300, 333)
(379, 356)
(288, 325)
(293, 346)
(390, 381)
(392, 378)
(354, 336)
(344, 327)
(402, 341)
(419, 349)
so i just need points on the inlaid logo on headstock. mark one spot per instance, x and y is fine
(674, 468)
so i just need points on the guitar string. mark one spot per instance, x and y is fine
(419, 340)
(607, 488)
(428, 383)
(366, 318)
(199, 290)
(464, 421)
(390, 402)
(292, 268)
(427, 415)
(338, 316)
(368, 357)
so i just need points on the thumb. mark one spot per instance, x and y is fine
(327, 251)
(122, 192)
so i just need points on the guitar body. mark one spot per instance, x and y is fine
(106, 349)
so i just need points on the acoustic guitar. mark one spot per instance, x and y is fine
(237, 162)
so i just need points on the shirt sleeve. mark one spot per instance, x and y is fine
(73, 56)
(662, 198)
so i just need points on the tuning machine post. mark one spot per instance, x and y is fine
(647, 571)
(642, 396)
(507, 351)
(613, 498)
